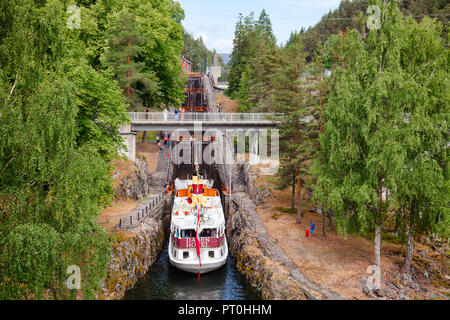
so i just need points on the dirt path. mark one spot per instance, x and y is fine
(110, 216)
(228, 105)
(150, 151)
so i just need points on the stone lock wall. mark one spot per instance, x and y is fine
(132, 255)
(263, 263)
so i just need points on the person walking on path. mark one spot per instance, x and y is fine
(311, 231)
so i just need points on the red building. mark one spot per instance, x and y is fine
(186, 64)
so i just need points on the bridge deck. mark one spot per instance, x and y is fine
(158, 121)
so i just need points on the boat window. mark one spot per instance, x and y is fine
(187, 234)
(185, 254)
(208, 233)
(211, 254)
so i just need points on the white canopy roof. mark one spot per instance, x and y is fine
(213, 216)
(184, 184)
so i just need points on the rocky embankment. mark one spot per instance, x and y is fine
(132, 255)
(262, 261)
(134, 251)
(133, 185)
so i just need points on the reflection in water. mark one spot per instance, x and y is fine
(164, 282)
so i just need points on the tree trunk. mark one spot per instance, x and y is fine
(143, 136)
(324, 225)
(128, 74)
(299, 198)
(410, 246)
(293, 192)
(377, 251)
(377, 260)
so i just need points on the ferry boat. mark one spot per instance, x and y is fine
(198, 242)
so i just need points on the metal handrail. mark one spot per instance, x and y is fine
(202, 116)
(139, 215)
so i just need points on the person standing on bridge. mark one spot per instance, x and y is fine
(165, 114)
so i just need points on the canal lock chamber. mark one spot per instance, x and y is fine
(165, 282)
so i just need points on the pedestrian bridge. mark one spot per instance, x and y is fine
(158, 121)
(250, 123)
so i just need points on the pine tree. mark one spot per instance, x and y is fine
(242, 51)
(258, 56)
(124, 58)
(298, 133)
(322, 90)
(243, 94)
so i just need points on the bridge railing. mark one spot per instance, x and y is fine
(201, 116)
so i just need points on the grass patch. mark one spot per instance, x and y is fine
(389, 237)
(140, 156)
(286, 210)
(386, 237)
(273, 180)
(275, 216)
(150, 136)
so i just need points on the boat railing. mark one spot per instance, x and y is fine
(205, 242)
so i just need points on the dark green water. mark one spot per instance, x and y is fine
(164, 282)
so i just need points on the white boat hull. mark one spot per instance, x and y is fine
(193, 266)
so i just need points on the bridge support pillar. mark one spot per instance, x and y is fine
(254, 143)
(129, 139)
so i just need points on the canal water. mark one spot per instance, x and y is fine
(164, 282)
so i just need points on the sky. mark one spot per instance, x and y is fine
(215, 20)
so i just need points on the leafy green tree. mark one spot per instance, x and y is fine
(100, 102)
(51, 188)
(348, 15)
(363, 149)
(160, 24)
(422, 195)
(101, 111)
